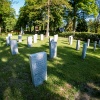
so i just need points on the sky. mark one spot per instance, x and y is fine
(17, 4)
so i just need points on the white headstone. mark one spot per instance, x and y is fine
(38, 66)
(14, 47)
(36, 36)
(7, 41)
(22, 31)
(29, 41)
(19, 38)
(34, 39)
(84, 50)
(70, 40)
(53, 49)
(56, 37)
(41, 37)
(88, 42)
(95, 43)
(78, 45)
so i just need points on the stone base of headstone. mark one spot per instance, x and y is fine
(38, 66)
(14, 47)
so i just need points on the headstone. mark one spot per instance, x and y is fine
(84, 50)
(95, 43)
(34, 39)
(99, 43)
(88, 42)
(56, 37)
(22, 31)
(70, 40)
(14, 47)
(7, 41)
(19, 38)
(38, 66)
(36, 36)
(53, 49)
(78, 45)
(41, 37)
(29, 41)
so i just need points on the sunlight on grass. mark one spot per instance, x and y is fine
(67, 73)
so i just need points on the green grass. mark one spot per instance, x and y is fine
(69, 76)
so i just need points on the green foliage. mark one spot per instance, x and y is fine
(82, 26)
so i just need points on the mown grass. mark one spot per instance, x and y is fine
(69, 76)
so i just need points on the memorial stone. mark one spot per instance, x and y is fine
(53, 49)
(84, 50)
(88, 42)
(78, 45)
(14, 47)
(29, 41)
(19, 38)
(38, 66)
(56, 37)
(41, 37)
(34, 39)
(70, 40)
(95, 43)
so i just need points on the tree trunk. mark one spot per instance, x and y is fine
(47, 30)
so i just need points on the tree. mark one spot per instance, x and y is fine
(88, 6)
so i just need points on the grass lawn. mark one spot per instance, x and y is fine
(69, 76)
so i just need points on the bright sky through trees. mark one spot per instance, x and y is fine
(17, 4)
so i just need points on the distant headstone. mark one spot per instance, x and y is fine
(34, 39)
(14, 47)
(88, 42)
(22, 31)
(7, 41)
(78, 45)
(95, 43)
(38, 66)
(41, 37)
(53, 49)
(99, 43)
(36, 36)
(56, 37)
(29, 41)
(84, 50)
(19, 38)
(70, 40)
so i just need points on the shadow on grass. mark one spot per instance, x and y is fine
(67, 68)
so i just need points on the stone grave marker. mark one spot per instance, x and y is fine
(38, 66)
(78, 45)
(19, 38)
(95, 43)
(56, 37)
(29, 41)
(14, 47)
(41, 37)
(70, 40)
(53, 49)
(84, 50)
(34, 39)
(88, 42)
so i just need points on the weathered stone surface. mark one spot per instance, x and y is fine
(38, 66)
(14, 47)
(29, 41)
(53, 49)
(84, 50)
